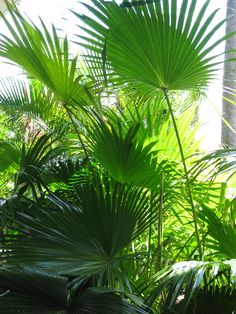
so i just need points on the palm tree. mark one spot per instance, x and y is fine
(126, 38)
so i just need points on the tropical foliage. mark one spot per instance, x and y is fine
(107, 203)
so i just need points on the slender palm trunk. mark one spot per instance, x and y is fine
(228, 136)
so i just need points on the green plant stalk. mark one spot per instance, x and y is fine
(188, 188)
(160, 227)
(149, 246)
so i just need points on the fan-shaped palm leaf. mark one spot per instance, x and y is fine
(34, 291)
(124, 158)
(31, 290)
(34, 159)
(155, 43)
(127, 157)
(87, 239)
(28, 162)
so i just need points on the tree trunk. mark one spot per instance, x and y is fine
(228, 137)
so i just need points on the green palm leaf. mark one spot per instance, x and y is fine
(34, 159)
(101, 301)
(62, 171)
(129, 157)
(31, 290)
(22, 100)
(117, 150)
(223, 234)
(44, 56)
(221, 161)
(34, 291)
(156, 44)
(185, 279)
(10, 155)
(28, 162)
(87, 239)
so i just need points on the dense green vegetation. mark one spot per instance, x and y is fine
(107, 203)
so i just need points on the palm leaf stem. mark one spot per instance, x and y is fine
(160, 226)
(149, 246)
(188, 188)
(149, 240)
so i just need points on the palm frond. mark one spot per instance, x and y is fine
(126, 154)
(86, 239)
(156, 44)
(44, 56)
(34, 159)
(62, 171)
(20, 99)
(10, 155)
(182, 281)
(27, 162)
(33, 291)
(102, 301)
(218, 162)
(223, 234)
(119, 153)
